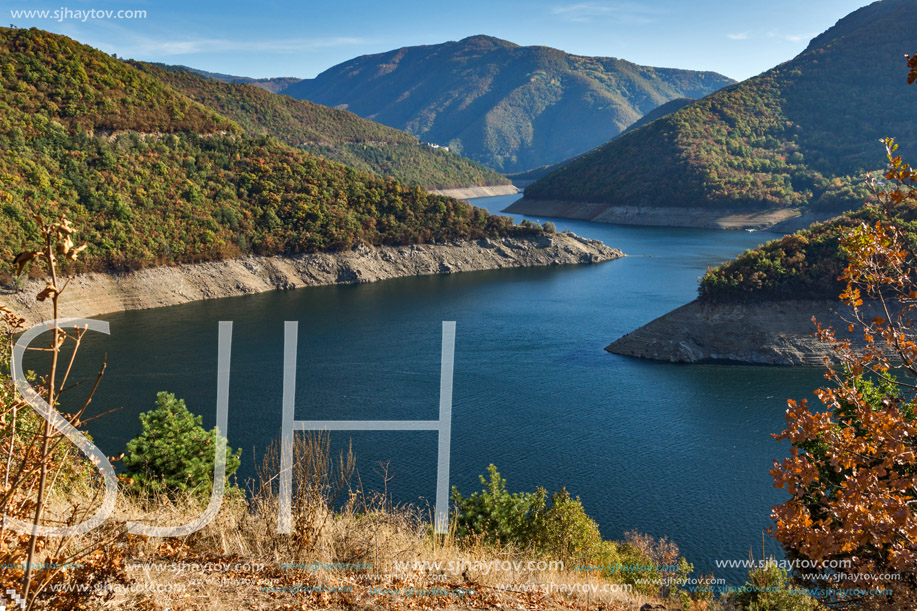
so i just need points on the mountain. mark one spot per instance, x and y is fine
(274, 85)
(330, 133)
(523, 179)
(510, 107)
(659, 112)
(796, 138)
(151, 177)
(530, 176)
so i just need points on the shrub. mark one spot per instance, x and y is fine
(852, 467)
(497, 515)
(770, 588)
(46, 482)
(555, 525)
(564, 530)
(174, 453)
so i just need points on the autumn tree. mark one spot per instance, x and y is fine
(852, 472)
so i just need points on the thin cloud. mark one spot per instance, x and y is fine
(805, 37)
(798, 37)
(773, 34)
(622, 12)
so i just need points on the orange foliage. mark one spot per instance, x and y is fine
(852, 473)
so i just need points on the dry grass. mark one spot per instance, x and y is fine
(362, 530)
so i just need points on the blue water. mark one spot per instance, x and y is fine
(681, 451)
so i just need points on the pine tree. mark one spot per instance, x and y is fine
(174, 453)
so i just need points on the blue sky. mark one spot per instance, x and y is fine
(271, 38)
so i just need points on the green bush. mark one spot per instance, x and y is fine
(564, 530)
(769, 589)
(174, 453)
(556, 526)
(551, 524)
(497, 515)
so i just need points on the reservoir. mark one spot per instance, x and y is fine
(672, 450)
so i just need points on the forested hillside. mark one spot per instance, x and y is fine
(152, 177)
(659, 112)
(330, 133)
(512, 108)
(273, 85)
(802, 265)
(798, 136)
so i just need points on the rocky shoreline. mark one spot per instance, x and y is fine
(473, 192)
(764, 333)
(100, 293)
(653, 215)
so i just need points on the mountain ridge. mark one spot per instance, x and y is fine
(508, 106)
(272, 84)
(329, 133)
(798, 137)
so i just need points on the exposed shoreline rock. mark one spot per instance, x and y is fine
(803, 222)
(766, 333)
(100, 293)
(473, 192)
(652, 215)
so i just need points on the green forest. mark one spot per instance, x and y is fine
(327, 132)
(802, 265)
(151, 177)
(798, 136)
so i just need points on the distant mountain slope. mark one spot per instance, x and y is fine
(151, 177)
(333, 134)
(512, 108)
(522, 179)
(659, 112)
(798, 136)
(530, 176)
(274, 85)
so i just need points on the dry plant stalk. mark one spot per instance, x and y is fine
(40, 470)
